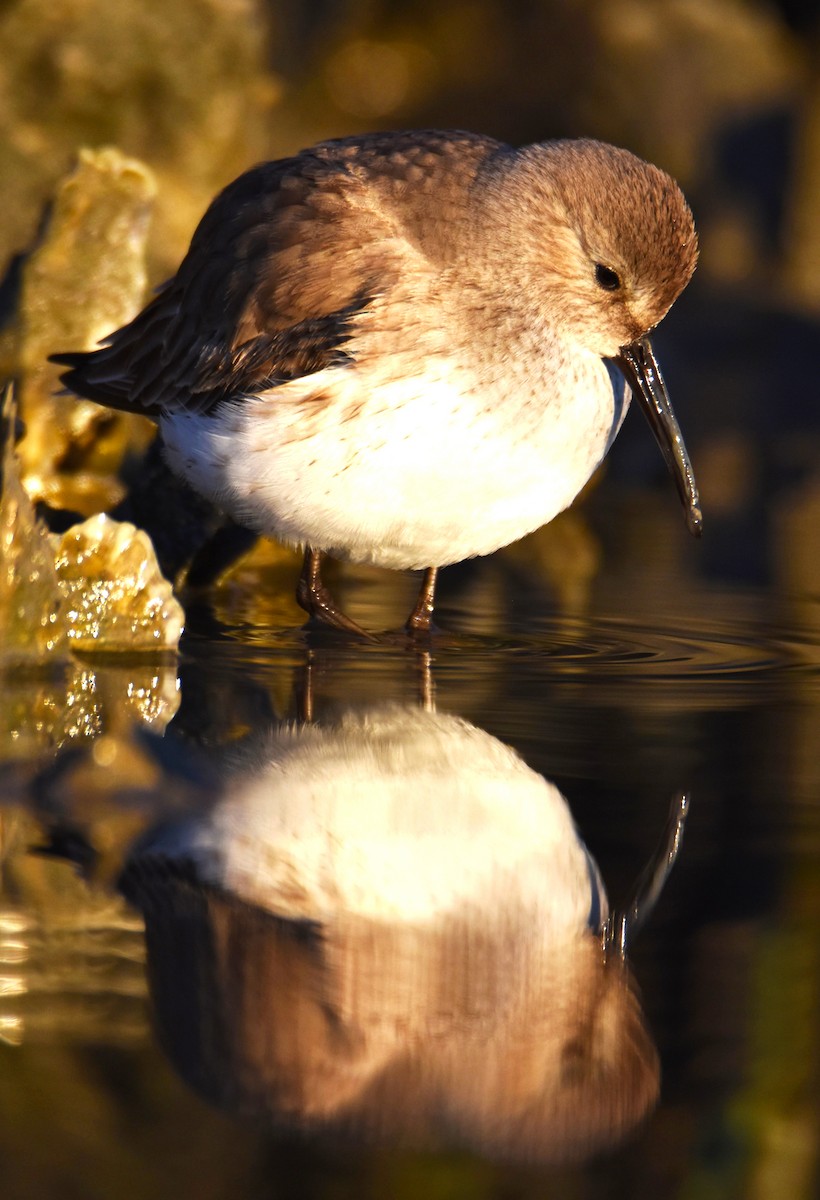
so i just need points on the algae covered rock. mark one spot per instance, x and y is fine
(116, 598)
(85, 278)
(96, 588)
(32, 627)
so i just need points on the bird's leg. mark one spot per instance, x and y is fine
(316, 600)
(421, 618)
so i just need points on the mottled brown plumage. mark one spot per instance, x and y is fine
(400, 337)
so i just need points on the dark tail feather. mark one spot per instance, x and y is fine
(115, 373)
(94, 375)
(85, 379)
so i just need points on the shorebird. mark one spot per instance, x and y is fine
(408, 349)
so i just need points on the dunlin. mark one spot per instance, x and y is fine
(408, 349)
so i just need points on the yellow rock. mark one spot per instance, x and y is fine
(96, 588)
(31, 625)
(85, 279)
(116, 598)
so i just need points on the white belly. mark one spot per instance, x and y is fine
(396, 474)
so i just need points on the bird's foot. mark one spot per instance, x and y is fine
(320, 606)
(318, 603)
(420, 628)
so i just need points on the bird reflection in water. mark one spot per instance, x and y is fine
(386, 928)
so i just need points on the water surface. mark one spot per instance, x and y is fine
(460, 1035)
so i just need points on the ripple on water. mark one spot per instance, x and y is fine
(612, 645)
(730, 639)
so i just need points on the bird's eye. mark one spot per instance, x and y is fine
(606, 278)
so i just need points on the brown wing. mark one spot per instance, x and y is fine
(280, 269)
(150, 371)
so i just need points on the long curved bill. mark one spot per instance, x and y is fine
(640, 367)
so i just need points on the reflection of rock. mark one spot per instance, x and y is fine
(44, 710)
(71, 950)
(70, 954)
(389, 928)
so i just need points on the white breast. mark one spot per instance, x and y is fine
(409, 472)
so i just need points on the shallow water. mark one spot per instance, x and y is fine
(457, 1036)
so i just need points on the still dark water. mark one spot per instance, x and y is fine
(373, 964)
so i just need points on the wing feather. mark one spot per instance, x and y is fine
(280, 271)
